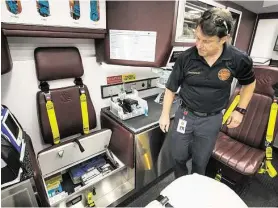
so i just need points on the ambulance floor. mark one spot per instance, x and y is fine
(261, 191)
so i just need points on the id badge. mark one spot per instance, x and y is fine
(181, 126)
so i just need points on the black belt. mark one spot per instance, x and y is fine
(196, 113)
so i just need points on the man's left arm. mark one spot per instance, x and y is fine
(246, 78)
(246, 94)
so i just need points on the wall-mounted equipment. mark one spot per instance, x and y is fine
(11, 129)
(52, 18)
(112, 90)
(12, 148)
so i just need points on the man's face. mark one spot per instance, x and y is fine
(208, 45)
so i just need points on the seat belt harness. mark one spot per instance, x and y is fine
(83, 104)
(267, 165)
(51, 113)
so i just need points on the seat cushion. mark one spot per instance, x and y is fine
(238, 156)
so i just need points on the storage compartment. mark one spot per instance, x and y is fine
(79, 180)
(78, 167)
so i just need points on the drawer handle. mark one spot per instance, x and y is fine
(79, 145)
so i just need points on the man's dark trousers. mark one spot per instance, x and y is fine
(197, 142)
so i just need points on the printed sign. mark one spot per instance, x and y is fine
(114, 79)
(121, 78)
(129, 77)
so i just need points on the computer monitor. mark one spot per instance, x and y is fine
(176, 51)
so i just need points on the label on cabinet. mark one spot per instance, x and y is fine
(132, 45)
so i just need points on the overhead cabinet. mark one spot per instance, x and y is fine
(77, 16)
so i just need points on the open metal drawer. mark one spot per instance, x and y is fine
(60, 161)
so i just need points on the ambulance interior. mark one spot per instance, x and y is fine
(82, 85)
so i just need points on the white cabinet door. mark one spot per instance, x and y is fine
(89, 14)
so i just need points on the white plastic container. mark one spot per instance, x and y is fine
(142, 108)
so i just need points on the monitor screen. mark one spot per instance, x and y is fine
(175, 55)
(176, 51)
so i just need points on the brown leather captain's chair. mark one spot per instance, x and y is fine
(242, 149)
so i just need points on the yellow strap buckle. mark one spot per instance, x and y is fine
(270, 169)
(218, 177)
(84, 110)
(268, 153)
(90, 200)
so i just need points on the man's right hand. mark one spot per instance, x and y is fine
(164, 122)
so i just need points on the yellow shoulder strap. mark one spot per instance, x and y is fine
(230, 109)
(267, 165)
(84, 110)
(52, 119)
(271, 122)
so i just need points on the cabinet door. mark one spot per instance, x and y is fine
(187, 15)
(89, 14)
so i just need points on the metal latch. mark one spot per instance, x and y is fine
(164, 201)
(61, 153)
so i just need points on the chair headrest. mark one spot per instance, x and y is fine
(54, 63)
(266, 78)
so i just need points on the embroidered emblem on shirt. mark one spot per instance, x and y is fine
(224, 74)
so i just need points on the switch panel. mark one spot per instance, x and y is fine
(113, 90)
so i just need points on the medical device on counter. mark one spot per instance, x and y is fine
(128, 106)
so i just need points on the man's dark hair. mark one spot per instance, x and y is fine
(216, 21)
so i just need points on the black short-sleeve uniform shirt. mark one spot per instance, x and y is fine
(207, 89)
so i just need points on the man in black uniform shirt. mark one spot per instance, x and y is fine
(204, 74)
